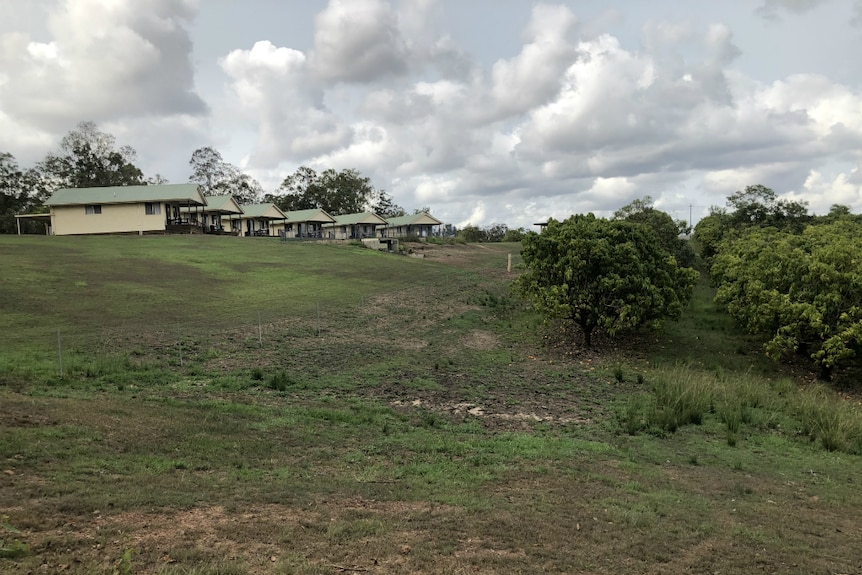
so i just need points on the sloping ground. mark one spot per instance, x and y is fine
(176, 485)
(423, 428)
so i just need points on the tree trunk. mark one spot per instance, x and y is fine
(588, 333)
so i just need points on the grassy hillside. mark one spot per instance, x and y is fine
(247, 406)
(89, 283)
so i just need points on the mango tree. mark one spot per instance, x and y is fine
(803, 291)
(599, 273)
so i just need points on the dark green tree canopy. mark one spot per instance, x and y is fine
(344, 192)
(515, 235)
(384, 205)
(491, 233)
(471, 234)
(754, 207)
(21, 191)
(599, 273)
(88, 158)
(667, 230)
(759, 206)
(803, 291)
(837, 212)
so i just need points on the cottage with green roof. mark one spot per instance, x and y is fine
(306, 223)
(354, 226)
(257, 220)
(420, 225)
(122, 209)
(210, 217)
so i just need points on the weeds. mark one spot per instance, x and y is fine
(635, 416)
(13, 549)
(124, 564)
(280, 381)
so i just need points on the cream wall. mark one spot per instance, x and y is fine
(338, 232)
(233, 223)
(115, 218)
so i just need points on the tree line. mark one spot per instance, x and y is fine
(491, 233)
(88, 157)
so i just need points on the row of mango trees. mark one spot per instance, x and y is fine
(793, 278)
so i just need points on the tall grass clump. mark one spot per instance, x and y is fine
(280, 381)
(682, 396)
(744, 399)
(637, 413)
(835, 423)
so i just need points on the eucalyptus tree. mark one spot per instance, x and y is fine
(88, 157)
(217, 177)
(22, 190)
(344, 192)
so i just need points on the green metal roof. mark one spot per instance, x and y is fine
(312, 215)
(180, 193)
(363, 218)
(270, 211)
(225, 204)
(423, 218)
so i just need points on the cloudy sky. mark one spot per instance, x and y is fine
(488, 111)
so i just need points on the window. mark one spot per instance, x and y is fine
(152, 209)
(93, 209)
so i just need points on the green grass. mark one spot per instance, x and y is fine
(710, 339)
(91, 283)
(423, 424)
(170, 301)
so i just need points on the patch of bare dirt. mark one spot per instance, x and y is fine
(481, 340)
(257, 539)
(495, 418)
